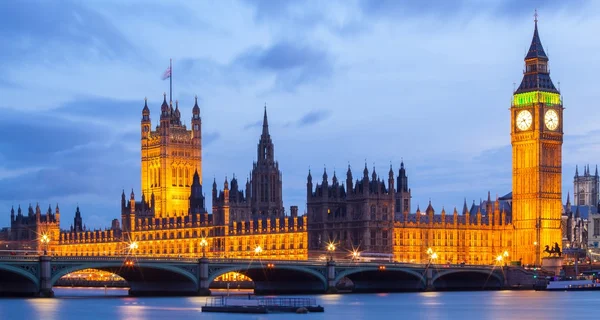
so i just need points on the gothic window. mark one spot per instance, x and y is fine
(187, 177)
(373, 213)
(174, 176)
(180, 177)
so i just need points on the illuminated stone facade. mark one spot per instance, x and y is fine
(476, 236)
(171, 218)
(170, 156)
(356, 214)
(536, 137)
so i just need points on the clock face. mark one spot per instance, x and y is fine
(551, 119)
(524, 120)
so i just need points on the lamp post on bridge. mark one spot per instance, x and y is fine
(331, 249)
(45, 239)
(203, 244)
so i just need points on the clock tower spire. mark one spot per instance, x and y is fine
(536, 138)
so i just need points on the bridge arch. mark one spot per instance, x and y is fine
(278, 278)
(20, 272)
(143, 277)
(349, 272)
(460, 279)
(391, 279)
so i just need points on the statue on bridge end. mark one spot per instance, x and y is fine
(554, 252)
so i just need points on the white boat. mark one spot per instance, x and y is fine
(573, 285)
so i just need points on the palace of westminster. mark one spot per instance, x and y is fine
(362, 212)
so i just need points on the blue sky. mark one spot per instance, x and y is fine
(344, 81)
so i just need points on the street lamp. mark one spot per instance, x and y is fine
(355, 254)
(258, 250)
(432, 255)
(45, 239)
(203, 244)
(331, 249)
(133, 246)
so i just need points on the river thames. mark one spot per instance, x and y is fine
(83, 303)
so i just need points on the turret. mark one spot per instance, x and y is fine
(309, 185)
(196, 198)
(391, 180)
(349, 180)
(430, 212)
(123, 202)
(57, 214)
(402, 179)
(78, 221)
(214, 192)
(132, 202)
(248, 188)
(12, 214)
(225, 218)
(145, 123)
(165, 117)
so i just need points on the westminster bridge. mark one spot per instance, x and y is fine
(36, 275)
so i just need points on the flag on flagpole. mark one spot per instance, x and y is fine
(167, 73)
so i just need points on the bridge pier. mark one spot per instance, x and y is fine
(331, 277)
(203, 284)
(429, 277)
(45, 281)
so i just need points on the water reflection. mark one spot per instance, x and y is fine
(80, 304)
(47, 306)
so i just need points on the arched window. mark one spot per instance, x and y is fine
(174, 176)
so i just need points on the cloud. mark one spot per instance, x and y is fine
(293, 64)
(251, 125)
(210, 137)
(451, 10)
(313, 117)
(46, 31)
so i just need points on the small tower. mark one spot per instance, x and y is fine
(145, 123)
(197, 135)
(309, 185)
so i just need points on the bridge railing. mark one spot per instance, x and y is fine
(20, 258)
(308, 262)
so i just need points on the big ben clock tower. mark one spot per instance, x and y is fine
(536, 138)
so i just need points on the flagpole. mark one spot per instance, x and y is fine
(171, 81)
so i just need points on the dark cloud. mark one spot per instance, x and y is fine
(293, 64)
(251, 125)
(36, 138)
(210, 137)
(447, 10)
(303, 15)
(52, 30)
(313, 117)
(46, 155)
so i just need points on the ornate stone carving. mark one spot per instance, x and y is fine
(33, 269)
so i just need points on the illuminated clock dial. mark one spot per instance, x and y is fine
(524, 120)
(551, 119)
